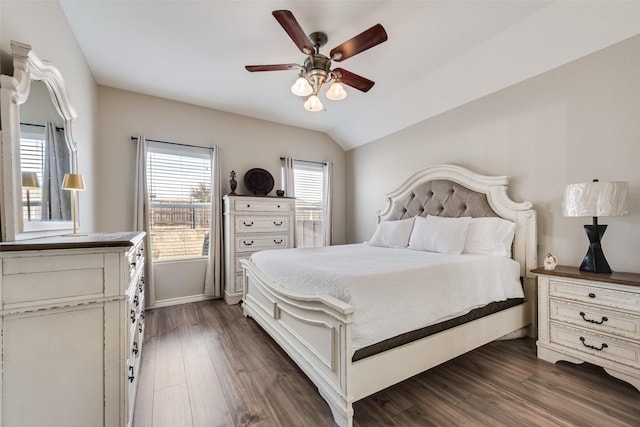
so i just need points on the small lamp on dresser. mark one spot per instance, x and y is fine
(29, 182)
(596, 199)
(74, 183)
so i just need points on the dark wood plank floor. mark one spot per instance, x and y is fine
(205, 365)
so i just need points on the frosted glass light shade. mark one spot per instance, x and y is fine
(336, 92)
(73, 181)
(301, 87)
(596, 199)
(313, 104)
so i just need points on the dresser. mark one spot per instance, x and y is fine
(72, 327)
(252, 224)
(590, 317)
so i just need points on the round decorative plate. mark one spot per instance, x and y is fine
(258, 181)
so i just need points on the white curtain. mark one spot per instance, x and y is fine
(141, 219)
(327, 204)
(55, 202)
(213, 277)
(288, 182)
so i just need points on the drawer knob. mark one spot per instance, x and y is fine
(604, 319)
(133, 264)
(248, 205)
(278, 206)
(140, 327)
(247, 224)
(133, 316)
(278, 242)
(602, 347)
(131, 376)
(592, 295)
(135, 300)
(278, 224)
(244, 242)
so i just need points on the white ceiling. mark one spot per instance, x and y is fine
(439, 55)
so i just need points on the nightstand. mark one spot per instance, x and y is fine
(590, 317)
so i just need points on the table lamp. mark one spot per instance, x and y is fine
(596, 199)
(29, 182)
(74, 183)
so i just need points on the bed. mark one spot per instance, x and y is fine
(322, 330)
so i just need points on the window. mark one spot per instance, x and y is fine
(179, 189)
(308, 178)
(32, 157)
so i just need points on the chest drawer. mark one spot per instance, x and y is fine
(256, 243)
(595, 295)
(596, 319)
(595, 344)
(265, 205)
(66, 276)
(251, 224)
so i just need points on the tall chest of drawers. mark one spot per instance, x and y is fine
(252, 224)
(590, 317)
(72, 327)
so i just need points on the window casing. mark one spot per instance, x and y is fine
(179, 191)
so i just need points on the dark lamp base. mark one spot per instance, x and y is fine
(594, 261)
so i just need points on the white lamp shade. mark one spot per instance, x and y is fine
(301, 87)
(73, 181)
(313, 103)
(596, 199)
(336, 92)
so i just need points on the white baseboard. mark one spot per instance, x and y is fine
(182, 300)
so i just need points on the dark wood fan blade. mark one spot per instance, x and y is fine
(274, 67)
(291, 26)
(354, 80)
(363, 41)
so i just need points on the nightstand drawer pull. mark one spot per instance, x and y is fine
(244, 242)
(592, 295)
(604, 319)
(602, 347)
(247, 224)
(132, 376)
(278, 242)
(278, 224)
(133, 316)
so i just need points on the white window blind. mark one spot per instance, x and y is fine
(309, 191)
(179, 188)
(32, 155)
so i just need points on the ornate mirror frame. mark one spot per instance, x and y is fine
(14, 91)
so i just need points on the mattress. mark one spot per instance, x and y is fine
(393, 291)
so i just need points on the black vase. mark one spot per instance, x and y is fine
(232, 182)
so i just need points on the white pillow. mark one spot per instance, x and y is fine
(439, 234)
(392, 234)
(490, 236)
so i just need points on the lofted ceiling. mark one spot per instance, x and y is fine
(439, 55)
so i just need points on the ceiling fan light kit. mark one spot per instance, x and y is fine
(316, 70)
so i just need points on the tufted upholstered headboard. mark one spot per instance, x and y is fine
(453, 191)
(441, 198)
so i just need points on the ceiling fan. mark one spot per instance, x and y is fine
(316, 70)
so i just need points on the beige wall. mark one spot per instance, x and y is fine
(572, 124)
(245, 143)
(43, 25)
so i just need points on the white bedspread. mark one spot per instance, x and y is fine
(393, 291)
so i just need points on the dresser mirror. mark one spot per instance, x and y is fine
(37, 148)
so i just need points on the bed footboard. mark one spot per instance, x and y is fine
(315, 331)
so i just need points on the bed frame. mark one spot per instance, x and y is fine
(316, 330)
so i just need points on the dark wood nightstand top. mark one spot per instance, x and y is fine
(631, 279)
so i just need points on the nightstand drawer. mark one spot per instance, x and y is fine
(273, 224)
(255, 243)
(602, 346)
(596, 319)
(595, 295)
